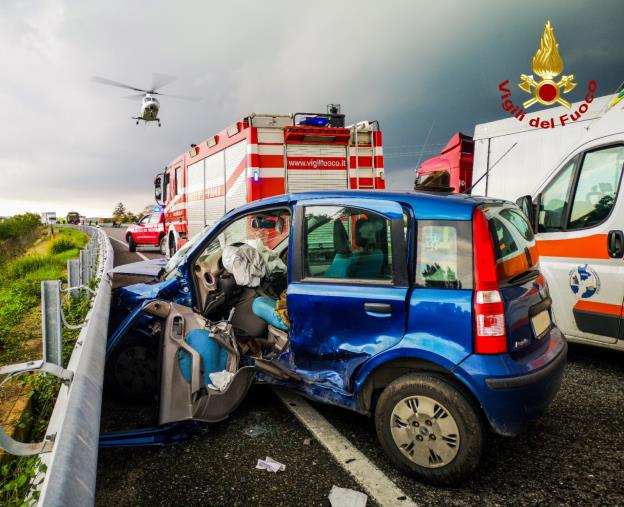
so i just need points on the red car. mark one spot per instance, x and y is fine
(148, 231)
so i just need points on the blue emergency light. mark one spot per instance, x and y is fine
(157, 209)
(256, 176)
(314, 121)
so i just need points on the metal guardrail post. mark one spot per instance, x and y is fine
(51, 322)
(73, 277)
(85, 267)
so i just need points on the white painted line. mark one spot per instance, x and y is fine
(126, 245)
(377, 484)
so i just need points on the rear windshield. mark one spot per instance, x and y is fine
(514, 243)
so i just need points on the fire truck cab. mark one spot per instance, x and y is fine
(263, 155)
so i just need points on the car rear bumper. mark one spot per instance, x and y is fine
(512, 393)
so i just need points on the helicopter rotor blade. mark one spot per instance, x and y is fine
(136, 96)
(110, 82)
(160, 80)
(181, 97)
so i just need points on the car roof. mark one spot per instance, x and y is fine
(426, 205)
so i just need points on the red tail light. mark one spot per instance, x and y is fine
(489, 314)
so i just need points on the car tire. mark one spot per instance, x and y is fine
(132, 246)
(162, 245)
(131, 372)
(430, 429)
(172, 245)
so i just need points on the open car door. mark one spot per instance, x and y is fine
(190, 353)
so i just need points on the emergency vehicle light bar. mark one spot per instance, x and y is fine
(316, 135)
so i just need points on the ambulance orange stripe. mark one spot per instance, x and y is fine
(594, 307)
(589, 247)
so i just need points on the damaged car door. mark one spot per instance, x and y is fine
(346, 298)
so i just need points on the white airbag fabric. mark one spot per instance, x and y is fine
(245, 263)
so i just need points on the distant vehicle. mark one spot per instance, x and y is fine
(568, 182)
(415, 311)
(149, 103)
(48, 217)
(263, 155)
(73, 217)
(148, 231)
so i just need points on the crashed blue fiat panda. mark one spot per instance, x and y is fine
(425, 311)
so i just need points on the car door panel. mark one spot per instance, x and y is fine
(338, 324)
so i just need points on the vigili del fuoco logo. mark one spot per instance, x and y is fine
(547, 89)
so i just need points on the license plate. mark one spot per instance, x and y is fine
(541, 322)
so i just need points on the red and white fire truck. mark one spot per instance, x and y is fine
(264, 155)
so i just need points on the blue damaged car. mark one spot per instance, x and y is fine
(425, 311)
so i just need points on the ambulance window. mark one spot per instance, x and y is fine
(178, 180)
(554, 200)
(597, 186)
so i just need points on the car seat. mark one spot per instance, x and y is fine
(264, 307)
(339, 268)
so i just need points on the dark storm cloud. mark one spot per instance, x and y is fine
(409, 64)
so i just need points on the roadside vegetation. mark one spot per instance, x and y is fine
(20, 286)
(20, 283)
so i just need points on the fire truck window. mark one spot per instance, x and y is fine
(178, 180)
(349, 243)
(554, 200)
(597, 187)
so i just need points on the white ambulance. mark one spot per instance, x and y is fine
(577, 211)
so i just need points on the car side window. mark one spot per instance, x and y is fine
(597, 187)
(347, 243)
(444, 254)
(554, 200)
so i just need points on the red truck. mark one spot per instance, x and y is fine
(148, 231)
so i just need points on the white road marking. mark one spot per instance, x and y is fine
(126, 245)
(377, 485)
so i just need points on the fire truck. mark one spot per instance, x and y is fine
(262, 155)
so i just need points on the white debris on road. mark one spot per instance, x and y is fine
(271, 465)
(343, 497)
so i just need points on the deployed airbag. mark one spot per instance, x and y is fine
(245, 263)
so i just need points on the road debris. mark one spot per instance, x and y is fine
(344, 497)
(271, 465)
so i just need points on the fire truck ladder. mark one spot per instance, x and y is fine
(358, 184)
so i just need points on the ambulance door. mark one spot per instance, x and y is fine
(581, 244)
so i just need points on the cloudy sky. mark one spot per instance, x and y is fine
(416, 66)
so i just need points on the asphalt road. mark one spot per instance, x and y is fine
(574, 455)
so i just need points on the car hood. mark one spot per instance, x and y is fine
(143, 268)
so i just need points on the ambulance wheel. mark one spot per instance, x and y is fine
(430, 429)
(131, 371)
(131, 244)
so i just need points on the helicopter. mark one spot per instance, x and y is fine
(150, 106)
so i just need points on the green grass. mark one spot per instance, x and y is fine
(20, 284)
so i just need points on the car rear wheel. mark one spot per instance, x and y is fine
(131, 244)
(132, 370)
(430, 429)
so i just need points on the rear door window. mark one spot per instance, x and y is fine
(444, 254)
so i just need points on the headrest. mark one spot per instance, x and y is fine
(366, 231)
(341, 239)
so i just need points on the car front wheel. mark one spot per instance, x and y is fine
(430, 429)
(131, 244)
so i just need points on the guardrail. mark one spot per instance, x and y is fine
(70, 447)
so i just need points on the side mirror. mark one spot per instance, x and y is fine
(158, 188)
(525, 203)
